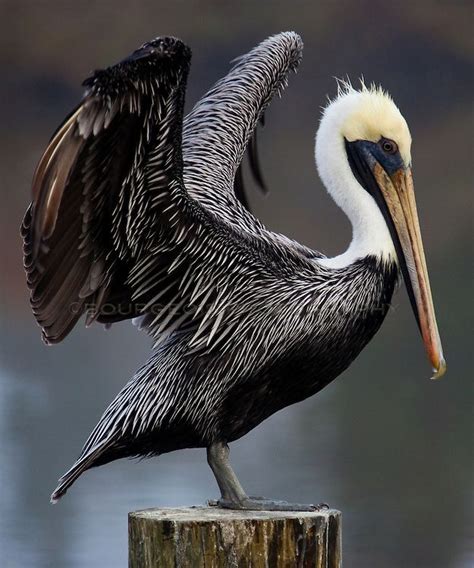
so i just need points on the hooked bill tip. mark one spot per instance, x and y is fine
(440, 371)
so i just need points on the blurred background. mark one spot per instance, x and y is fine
(389, 448)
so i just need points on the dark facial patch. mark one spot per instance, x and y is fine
(391, 162)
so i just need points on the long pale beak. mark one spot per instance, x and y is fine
(399, 197)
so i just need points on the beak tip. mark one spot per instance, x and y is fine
(440, 370)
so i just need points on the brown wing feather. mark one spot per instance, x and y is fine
(75, 251)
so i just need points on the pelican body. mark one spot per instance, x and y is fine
(139, 213)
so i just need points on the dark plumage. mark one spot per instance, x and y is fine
(137, 214)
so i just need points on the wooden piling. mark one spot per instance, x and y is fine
(207, 537)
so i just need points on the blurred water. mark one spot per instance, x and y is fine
(383, 444)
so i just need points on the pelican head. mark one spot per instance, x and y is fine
(363, 157)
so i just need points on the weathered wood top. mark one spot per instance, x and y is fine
(211, 514)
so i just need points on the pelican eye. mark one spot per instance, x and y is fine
(388, 146)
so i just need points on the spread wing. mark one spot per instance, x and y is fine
(230, 266)
(118, 227)
(224, 124)
(96, 188)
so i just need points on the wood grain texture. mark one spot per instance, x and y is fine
(202, 537)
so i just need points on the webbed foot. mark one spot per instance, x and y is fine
(264, 504)
(233, 495)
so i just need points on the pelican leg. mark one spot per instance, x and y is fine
(233, 495)
(229, 485)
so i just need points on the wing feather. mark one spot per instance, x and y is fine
(123, 225)
(87, 223)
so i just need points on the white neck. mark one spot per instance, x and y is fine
(370, 234)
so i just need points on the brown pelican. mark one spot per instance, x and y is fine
(138, 213)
